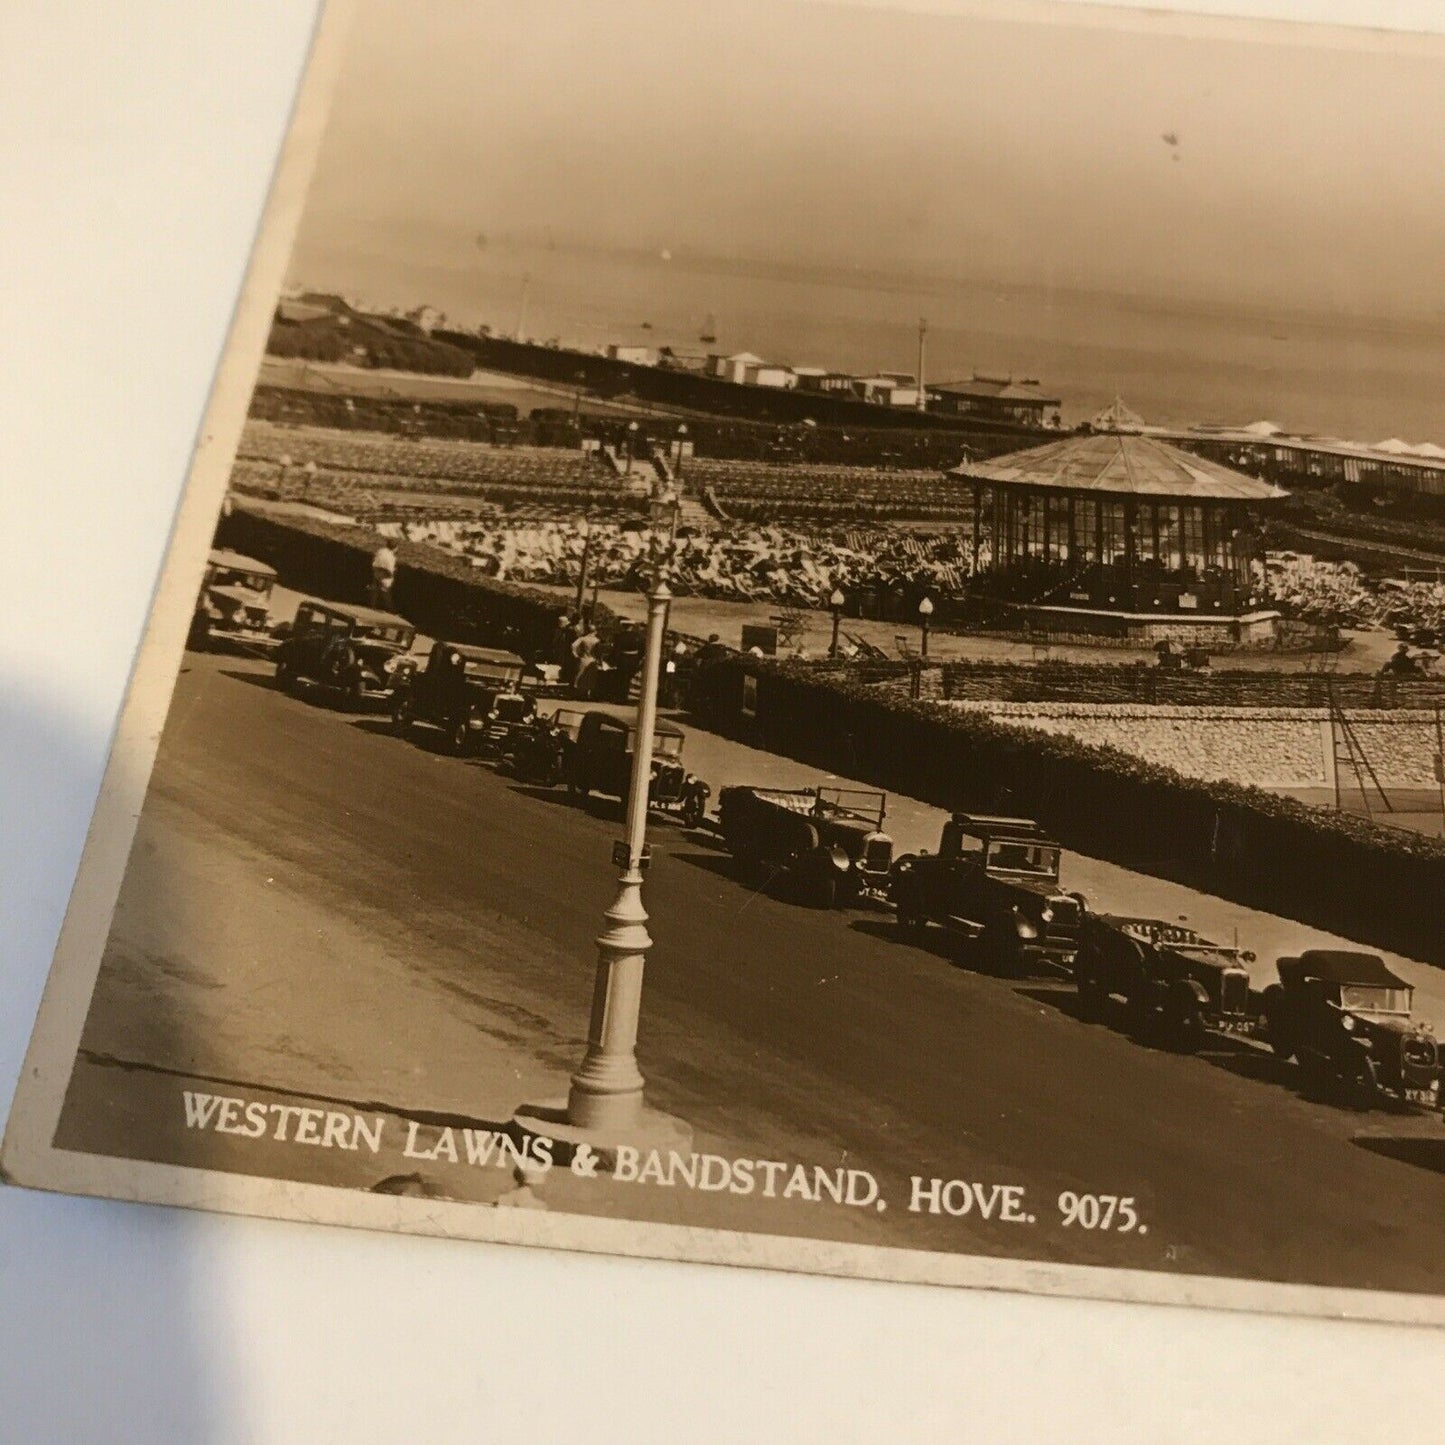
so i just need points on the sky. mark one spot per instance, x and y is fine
(828, 139)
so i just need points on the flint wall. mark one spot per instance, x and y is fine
(1268, 747)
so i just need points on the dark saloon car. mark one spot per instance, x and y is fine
(1175, 984)
(350, 652)
(996, 882)
(1346, 1018)
(234, 602)
(473, 694)
(537, 751)
(829, 840)
(599, 760)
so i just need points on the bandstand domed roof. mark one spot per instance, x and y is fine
(1120, 463)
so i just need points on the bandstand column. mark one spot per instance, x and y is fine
(1131, 522)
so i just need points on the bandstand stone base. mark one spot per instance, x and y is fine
(1213, 630)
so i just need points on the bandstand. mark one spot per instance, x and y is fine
(1119, 534)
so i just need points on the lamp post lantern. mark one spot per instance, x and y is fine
(925, 611)
(836, 603)
(606, 1092)
(631, 442)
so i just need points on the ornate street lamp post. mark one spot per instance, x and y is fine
(836, 603)
(308, 479)
(284, 462)
(606, 1092)
(925, 611)
(585, 570)
(681, 449)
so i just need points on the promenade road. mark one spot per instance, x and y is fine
(318, 910)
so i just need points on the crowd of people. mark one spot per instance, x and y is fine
(737, 563)
(798, 567)
(1340, 594)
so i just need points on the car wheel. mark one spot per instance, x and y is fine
(1091, 998)
(460, 738)
(578, 792)
(401, 719)
(692, 810)
(285, 678)
(823, 891)
(1186, 1028)
(1139, 1016)
(1276, 1029)
(1316, 1078)
(998, 953)
(356, 695)
(911, 923)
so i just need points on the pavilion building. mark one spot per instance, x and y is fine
(1120, 534)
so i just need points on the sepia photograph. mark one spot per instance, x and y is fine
(804, 637)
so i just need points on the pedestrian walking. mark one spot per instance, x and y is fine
(383, 575)
(584, 655)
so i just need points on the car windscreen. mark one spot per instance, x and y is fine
(251, 581)
(498, 672)
(395, 636)
(1366, 998)
(665, 745)
(1008, 855)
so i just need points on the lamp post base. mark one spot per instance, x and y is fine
(648, 1129)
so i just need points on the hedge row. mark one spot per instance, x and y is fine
(1332, 870)
(440, 593)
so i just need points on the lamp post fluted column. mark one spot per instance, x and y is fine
(606, 1092)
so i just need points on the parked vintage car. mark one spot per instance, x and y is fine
(830, 841)
(234, 602)
(594, 755)
(1346, 1018)
(350, 652)
(537, 751)
(1175, 984)
(473, 694)
(996, 882)
(600, 761)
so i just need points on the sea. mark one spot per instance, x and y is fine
(1172, 361)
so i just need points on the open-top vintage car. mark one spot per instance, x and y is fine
(473, 694)
(350, 652)
(1175, 983)
(234, 602)
(1346, 1017)
(996, 882)
(829, 840)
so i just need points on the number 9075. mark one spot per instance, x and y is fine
(1100, 1211)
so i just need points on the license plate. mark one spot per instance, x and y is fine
(1421, 1096)
(1235, 1026)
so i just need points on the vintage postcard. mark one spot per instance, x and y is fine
(805, 636)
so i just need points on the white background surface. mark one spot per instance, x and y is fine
(136, 144)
